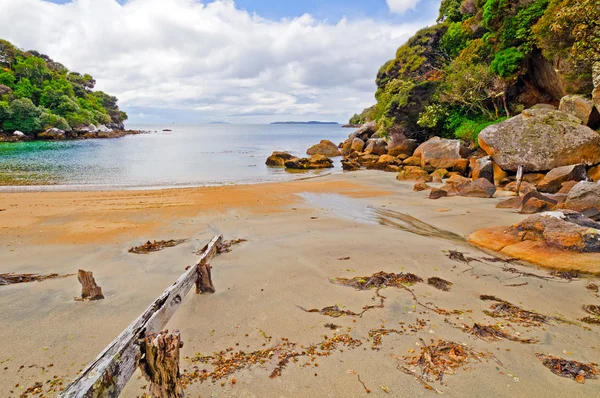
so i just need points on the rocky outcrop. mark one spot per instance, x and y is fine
(314, 162)
(325, 148)
(552, 182)
(421, 186)
(582, 108)
(350, 165)
(52, 134)
(558, 239)
(278, 159)
(540, 140)
(438, 153)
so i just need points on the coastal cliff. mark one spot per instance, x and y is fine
(41, 98)
(485, 61)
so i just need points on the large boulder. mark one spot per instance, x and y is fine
(365, 132)
(480, 188)
(350, 165)
(87, 129)
(581, 107)
(540, 140)
(19, 134)
(376, 146)
(325, 148)
(314, 162)
(552, 182)
(278, 159)
(406, 147)
(104, 129)
(584, 196)
(357, 145)
(413, 173)
(483, 168)
(438, 153)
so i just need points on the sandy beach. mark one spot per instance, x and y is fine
(297, 233)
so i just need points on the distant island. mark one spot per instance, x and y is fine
(311, 122)
(219, 123)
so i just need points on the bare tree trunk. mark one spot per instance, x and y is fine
(160, 364)
(596, 79)
(505, 105)
(89, 289)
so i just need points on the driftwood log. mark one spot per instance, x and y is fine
(89, 289)
(108, 374)
(160, 364)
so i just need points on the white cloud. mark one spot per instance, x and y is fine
(401, 6)
(211, 60)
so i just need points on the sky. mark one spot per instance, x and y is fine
(242, 61)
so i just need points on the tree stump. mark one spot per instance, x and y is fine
(160, 364)
(204, 282)
(89, 290)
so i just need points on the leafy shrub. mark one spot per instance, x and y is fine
(7, 79)
(455, 39)
(23, 115)
(507, 62)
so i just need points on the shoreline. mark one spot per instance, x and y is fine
(117, 188)
(295, 244)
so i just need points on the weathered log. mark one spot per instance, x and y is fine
(204, 282)
(160, 364)
(89, 289)
(519, 179)
(108, 374)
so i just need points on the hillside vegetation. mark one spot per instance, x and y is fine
(484, 61)
(37, 93)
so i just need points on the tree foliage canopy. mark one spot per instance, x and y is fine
(40, 93)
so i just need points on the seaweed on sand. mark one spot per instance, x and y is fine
(593, 310)
(379, 280)
(460, 257)
(377, 334)
(155, 246)
(566, 275)
(572, 369)
(439, 359)
(226, 246)
(335, 311)
(12, 278)
(226, 363)
(506, 310)
(490, 333)
(439, 283)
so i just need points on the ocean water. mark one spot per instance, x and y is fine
(201, 155)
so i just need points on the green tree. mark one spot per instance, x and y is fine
(32, 68)
(7, 79)
(53, 92)
(23, 115)
(24, 89)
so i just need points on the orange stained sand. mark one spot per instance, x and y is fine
(106, 216)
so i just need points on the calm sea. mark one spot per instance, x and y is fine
(187, 156)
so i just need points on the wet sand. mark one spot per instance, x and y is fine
(296, 233)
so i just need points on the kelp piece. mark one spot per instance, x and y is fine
(506, 310)
(12, 278)
(490, 333)
(333, 311)
(379, 280)
(439, 283)
(577, 371)
(155, 246)
(226, 246)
